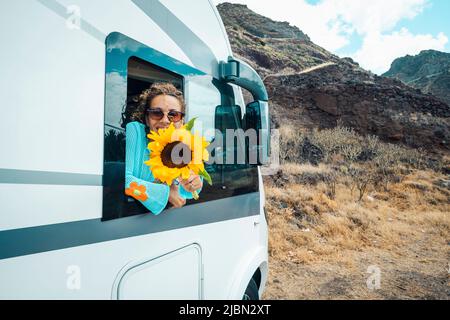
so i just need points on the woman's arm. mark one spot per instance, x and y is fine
(188, 195)
(153, 196)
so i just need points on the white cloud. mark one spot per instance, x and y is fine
(332, 23)
(376, 16)
(378, 51)
(317, 21)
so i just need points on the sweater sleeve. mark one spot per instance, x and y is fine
(153, 196)
(186, 194)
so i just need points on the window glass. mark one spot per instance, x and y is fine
(202, 97)
(127, 75)
(131, 68)
(140, 76)
(208, 99)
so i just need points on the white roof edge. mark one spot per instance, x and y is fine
(222, 27)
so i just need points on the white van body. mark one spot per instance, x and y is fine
(53, 242)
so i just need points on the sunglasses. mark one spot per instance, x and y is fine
(158, 114)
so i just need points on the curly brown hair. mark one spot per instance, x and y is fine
(156, 89)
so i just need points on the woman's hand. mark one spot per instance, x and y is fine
(174, 197)
(192, 184)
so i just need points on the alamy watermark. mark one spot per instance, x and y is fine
(73, 21)
(374, 280)
(233, 147)
(73, 281)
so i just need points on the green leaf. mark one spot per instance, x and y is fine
(190, 124)
(205, 175)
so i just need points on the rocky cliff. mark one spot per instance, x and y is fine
(312, 88)
(428, 71)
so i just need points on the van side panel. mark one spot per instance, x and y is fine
(51, 168)
(88, 272)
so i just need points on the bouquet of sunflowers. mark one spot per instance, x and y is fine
(174, 153)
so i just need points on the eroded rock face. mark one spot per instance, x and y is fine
(428, 71)
(241, 16)
(368, 103)
(312, 88)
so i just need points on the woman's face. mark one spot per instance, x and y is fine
(166, 104)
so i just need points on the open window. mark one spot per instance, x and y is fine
(128, 74)
(141, 75)
(132, 67)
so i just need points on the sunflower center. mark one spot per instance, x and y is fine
(176, 155)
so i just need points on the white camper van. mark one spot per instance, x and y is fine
(70, 71)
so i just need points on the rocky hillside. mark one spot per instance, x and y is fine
(312, 88)
(428, 71)
(270, 46)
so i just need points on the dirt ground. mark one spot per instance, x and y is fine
(419, 270)
(393, 246)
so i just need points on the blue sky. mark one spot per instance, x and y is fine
(373, 33)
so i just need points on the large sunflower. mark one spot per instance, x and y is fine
(175, 152)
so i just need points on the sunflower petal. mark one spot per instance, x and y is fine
(185, 173)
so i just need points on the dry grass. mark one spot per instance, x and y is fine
(341, 200)
(307, 227)
(296, 169)
(304, 220)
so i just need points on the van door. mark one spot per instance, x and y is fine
(176, 275)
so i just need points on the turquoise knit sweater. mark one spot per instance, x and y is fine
(136, 170)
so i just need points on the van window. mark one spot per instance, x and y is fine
(206, 95)
(141, 75)
(132, 67)
(120, 111)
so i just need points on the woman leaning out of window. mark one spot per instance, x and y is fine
(159, 106)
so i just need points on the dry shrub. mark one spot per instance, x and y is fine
(333, 141)
(362, 179)
(314, 214)
(348, 146)
(290, 141)
(307, 225)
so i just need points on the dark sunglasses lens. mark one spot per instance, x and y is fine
(155, 114)
(175, 116)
